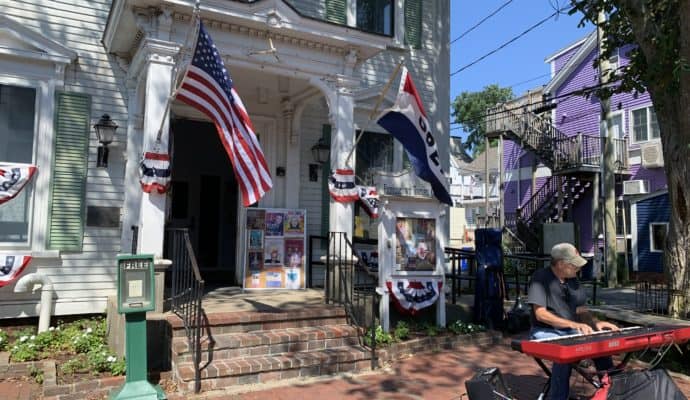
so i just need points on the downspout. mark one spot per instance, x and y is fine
(26, 284)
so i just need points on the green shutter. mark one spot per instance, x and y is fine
(68, 186)
(413, 23)
(336, 11)
(326, 196)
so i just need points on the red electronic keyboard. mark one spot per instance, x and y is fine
(572, 348)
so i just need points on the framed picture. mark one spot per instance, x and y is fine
(256, 260)
(294, 253)
(274, 223)
(294, 223)
(256, 219)
(273, 252)
(415, 244)
(256, 239)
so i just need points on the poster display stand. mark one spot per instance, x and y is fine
(276, 248)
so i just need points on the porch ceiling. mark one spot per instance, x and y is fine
(127, 20)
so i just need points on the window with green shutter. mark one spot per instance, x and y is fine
(68, 186)
(326, 196)
(413, 23)
(336, 11)
(375, 16)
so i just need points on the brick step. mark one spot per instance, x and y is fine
(272, 342)
(251, 321)
(221, 373)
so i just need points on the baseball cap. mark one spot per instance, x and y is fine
(568, 253)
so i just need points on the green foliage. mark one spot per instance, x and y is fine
(463, 328)
(381, 337)
(78, 364)
(36, 373)
(469, 110)
(402, 331)
(654, 26)
(104, 360)
(4, 340)
(430, 329)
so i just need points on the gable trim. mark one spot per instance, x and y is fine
(587, 46)
(51, 50)
(648, 196)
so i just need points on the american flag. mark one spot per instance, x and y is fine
(207, 86)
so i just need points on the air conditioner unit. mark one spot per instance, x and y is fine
(652, 155)
(636, 186)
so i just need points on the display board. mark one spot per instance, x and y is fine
(276, 248)
(416, 244)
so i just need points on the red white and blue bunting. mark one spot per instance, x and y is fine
(13, 178)
(410, 296)
(11, 266)
(154, 172)
(369, 199)
(341, 185)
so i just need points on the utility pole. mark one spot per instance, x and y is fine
(608, 178)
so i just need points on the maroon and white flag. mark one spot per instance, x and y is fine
(11, 267)
(410, 296)
(13, 178)
(154, 172)
(341, 185)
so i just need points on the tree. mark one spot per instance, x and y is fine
(660, 29)
(469, 110)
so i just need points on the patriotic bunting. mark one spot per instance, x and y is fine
(11, 267)
(411, 296)
(13, 178)
(341, 185)
(154, 172)
(369, 199)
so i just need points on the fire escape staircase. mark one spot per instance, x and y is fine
(565, 157)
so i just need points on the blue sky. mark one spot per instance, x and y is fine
(521, 60)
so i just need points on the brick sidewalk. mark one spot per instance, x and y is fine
(437, 376)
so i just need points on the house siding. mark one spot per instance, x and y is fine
(82, 280)
(655, 209)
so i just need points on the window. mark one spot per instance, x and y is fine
(657, 236)
(17, 116)
(616, 121)
(375, 16)
(645, 126)
(374, 154)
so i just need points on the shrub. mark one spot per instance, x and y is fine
(25, 349)
(462, 328)
(36, 373)
(402, 331)
(381, 337)
(4, 340)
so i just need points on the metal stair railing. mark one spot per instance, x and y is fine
(187, 292)
(352, 284)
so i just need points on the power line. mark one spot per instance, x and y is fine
(506, 43)
(529, 80)
(481, 22)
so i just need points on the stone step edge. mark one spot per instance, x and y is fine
(254, 365)
(268, 337)
(254, 317)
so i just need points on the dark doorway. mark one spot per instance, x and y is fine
(204, 198)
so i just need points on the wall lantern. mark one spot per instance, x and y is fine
(105, 132)
(320, 151)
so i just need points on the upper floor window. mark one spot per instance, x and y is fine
(375, 16)
(17, 116)
(645, 126)
(374, 154)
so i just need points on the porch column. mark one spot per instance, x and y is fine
(159, 62)
(342, 141)
(130, 211)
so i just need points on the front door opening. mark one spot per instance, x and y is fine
(204, 198)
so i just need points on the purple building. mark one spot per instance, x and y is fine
(552, 160)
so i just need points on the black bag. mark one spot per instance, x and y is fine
(518, 318)
(487, 384)
(639, 385)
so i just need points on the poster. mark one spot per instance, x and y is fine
(415, 244)
(275, 249)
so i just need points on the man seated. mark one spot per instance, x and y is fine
(558, 309)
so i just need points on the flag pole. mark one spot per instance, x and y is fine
(375, 110)
(177, 83)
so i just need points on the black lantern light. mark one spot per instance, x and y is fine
(105, 132)
(320, 151)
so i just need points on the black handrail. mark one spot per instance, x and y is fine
(352, 286)
(187, 292)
